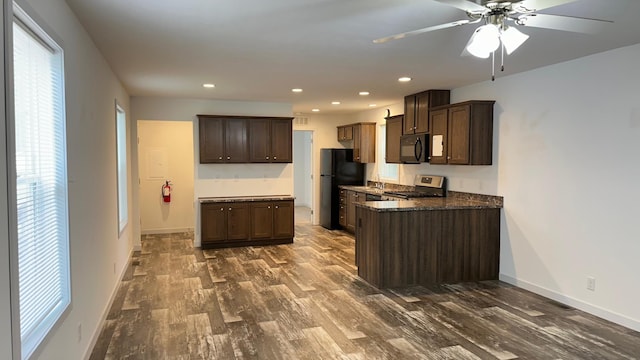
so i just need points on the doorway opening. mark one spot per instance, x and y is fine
(165, 157)
(303, 176)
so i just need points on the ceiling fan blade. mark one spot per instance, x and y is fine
(465, 5)
(534, 5)
(564, 23)
(424, 30)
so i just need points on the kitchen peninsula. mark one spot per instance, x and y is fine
(428, 241)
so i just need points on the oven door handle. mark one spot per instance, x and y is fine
(416, 152)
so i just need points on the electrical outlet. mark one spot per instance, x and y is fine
(79, 332)
(591, 283)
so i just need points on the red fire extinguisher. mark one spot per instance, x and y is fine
(166, 192)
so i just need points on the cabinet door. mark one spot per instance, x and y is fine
(367, 136)
(392, 139)
(422, 112)
(259, 144)
(213, 223)
(348, 133)
(237, 149)
(458, 135)
(356, 143)
(352, 199)
(212, 139)
(340, 133)
(281, 135)
(408, 123)
(261, 220)
(283, 219)
(238, 221)
(438, 137)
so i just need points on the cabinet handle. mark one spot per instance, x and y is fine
(277, 206)
(268, 207)
(229, 209)
(267, 158)
(275, 158)
(220, 158)
(448, 157)
(221, 209)
(228, 157)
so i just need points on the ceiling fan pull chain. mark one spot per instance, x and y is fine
(493, 66)
(502, 59)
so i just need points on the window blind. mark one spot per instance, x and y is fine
(41, 182)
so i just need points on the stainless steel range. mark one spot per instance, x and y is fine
(425, 186)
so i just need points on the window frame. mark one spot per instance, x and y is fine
(14, 15)
(383, 170)
(122, 179)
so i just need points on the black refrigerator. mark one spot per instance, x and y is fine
(336, 168)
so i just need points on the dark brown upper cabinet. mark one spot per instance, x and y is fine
(462, 134)
(245, 139)
(416, 110)
(270, 140)
(364, 142)
(345, 133)
(392, 138)
(223, 139)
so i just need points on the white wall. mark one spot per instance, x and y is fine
(302, 165)
(91, 89)
(567, 167)
(566, 149)
(165, 152)
(216, 179)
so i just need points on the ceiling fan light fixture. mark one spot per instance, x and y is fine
(484, 41)
(512, 38)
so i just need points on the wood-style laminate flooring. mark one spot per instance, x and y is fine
(305, 301)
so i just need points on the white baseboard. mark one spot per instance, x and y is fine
(105, 312)
(165, 231)
(575, 303)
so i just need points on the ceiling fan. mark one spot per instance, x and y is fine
(500, 19)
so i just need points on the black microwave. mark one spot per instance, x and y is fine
(414, 149)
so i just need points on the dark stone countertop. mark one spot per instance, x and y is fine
(250, 198)
(447, 203)
(363, 189)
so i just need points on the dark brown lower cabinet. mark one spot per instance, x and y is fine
(283, 218)
(228, 224)
(353, 197)
(402, 248)
(342, 213)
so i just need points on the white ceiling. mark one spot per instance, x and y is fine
(258, 50)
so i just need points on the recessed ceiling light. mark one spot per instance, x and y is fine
(404, 79)
(315, 110)
(296, 90)
(208, 86)
(372, 105)
(335, 103)
(363, 93)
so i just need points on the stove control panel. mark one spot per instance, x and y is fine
(432, 181)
